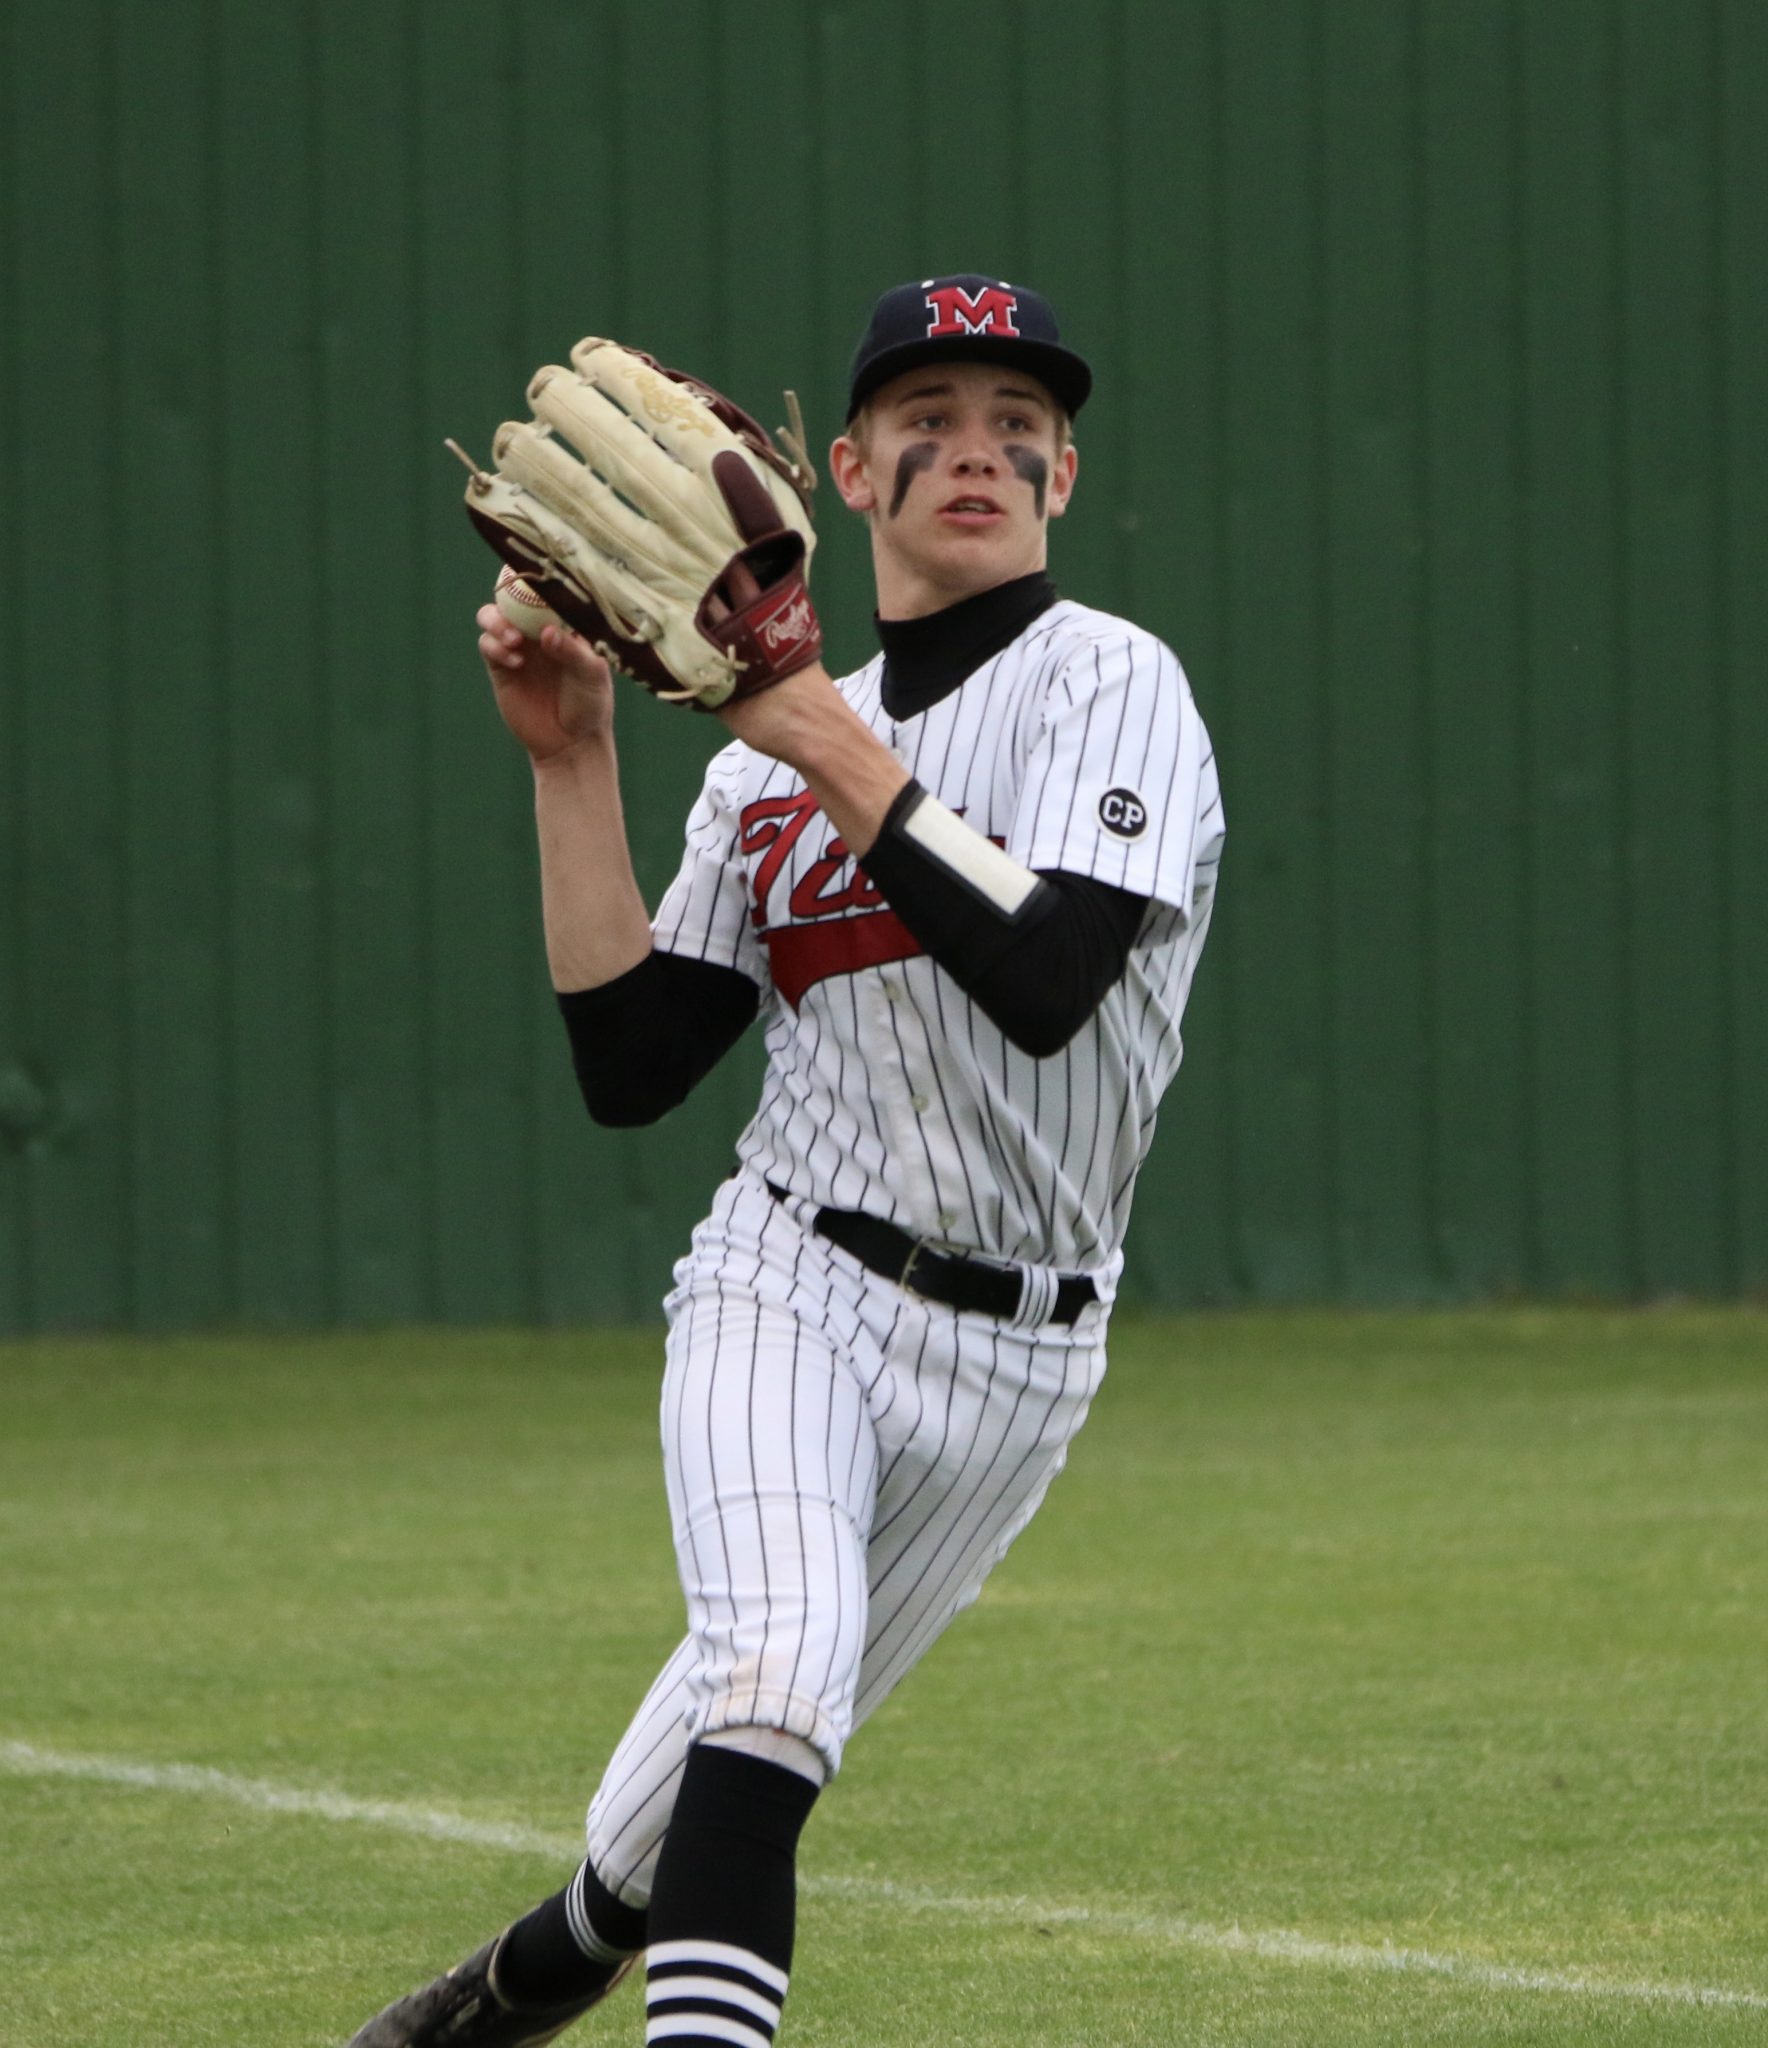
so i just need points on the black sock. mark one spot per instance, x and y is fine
(569, 1946)
(726, 1897)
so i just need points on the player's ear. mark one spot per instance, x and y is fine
(1062, 480)
(847, 465)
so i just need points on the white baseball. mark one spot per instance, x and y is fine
(526, 612)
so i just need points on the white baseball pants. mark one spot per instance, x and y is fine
(846, 1463)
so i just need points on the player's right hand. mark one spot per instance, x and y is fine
(554, 693)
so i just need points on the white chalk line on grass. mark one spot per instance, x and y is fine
(26, 1760)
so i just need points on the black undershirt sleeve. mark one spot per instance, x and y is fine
(642, 1041)
(1038, 974)
(1072, 952)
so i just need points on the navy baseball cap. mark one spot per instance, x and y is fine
(967, 319)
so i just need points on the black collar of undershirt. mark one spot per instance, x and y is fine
(926, 659)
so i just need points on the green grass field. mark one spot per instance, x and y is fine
(1367, 1679)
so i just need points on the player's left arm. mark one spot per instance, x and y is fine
(1119, 808)
(1036, 951)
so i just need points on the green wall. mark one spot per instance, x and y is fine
(1430, 431)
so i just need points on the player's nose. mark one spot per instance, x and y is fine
(975, 458)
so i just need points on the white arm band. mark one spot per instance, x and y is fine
(976, 862)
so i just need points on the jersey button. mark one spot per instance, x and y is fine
(893, 990)
(946, 1219)
(918, 1103)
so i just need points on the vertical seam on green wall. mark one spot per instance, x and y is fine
(927, 260)
(1319, 459)
(815, 257)
(1018, 224)
(229, 1278)
(1222, 712)
(427, 1256)
(615, 29)
(1430, 1146)
(1626, 991)
(1527, 1219)
(520, 256)
(723, 36)
(1724, 643)
(319, 696)
(14, 834)
(1532, 1245)
(129, 1251)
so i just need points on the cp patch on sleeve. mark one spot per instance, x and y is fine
(1123, 814)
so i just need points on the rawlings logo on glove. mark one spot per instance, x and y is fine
(794, 626)
(630, 504)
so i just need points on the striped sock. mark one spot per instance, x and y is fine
(605, 1929)
(711, 1991)
(570, 1946)
(724, 1904)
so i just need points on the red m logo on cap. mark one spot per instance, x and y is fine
(955, 311)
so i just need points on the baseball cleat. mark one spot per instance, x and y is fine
(464, 2010)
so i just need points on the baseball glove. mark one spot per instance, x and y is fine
(633, 506)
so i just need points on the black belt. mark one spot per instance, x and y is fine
(947, 1277)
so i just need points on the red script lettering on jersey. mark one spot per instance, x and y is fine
(772, 826)
(830, 930)
(807, 899)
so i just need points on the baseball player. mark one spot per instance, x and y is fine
(965, 890)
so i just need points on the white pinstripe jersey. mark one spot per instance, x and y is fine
(1077, 747)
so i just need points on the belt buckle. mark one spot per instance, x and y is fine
(906, 1278)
